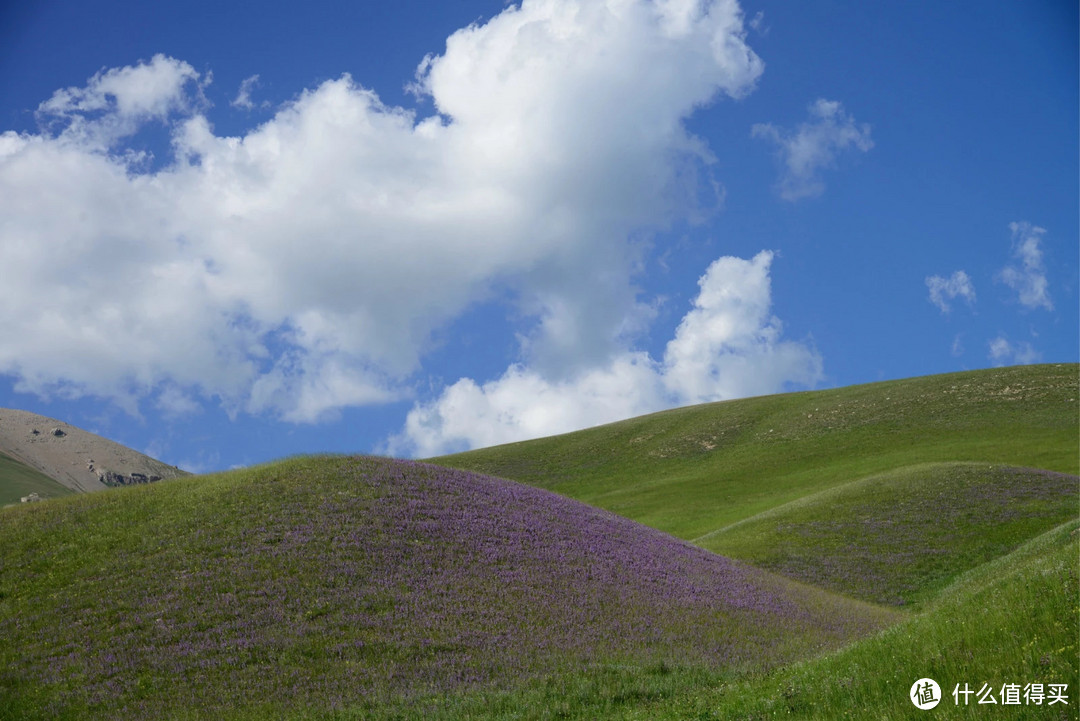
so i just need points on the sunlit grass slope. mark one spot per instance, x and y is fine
(897, 537)
(695, 470)
(18, 480)
(359, 584)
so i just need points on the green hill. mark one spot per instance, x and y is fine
(837, 546)
(901, 536)
(693, 471)
(18, 480)
(1010, 622)
(360, 583)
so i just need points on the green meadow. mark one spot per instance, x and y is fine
(18, 480)
(805, 555)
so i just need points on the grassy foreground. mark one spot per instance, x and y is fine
(1013, 620)
(342, 583)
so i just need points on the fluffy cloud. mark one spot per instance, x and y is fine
(1027, 276)
(727, 346)
(304, 266)
(813, 147)
(116, 102)
(942, 290)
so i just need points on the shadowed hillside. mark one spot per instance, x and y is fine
(898, 537)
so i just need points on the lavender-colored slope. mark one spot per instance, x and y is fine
(326, 581)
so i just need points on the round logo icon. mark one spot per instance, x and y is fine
(925, 693)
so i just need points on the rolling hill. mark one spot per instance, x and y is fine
(826, 550)
(344, 582)
(693, 471)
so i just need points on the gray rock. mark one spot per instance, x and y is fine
(113, 479)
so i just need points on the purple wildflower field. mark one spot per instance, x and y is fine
(325, 582)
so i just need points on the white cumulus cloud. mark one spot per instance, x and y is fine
(116, 102)
(303, 266)
(813, 147)
(727, 346)
(1027, 275)
(942, 290)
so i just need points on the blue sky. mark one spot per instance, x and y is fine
(235, 231)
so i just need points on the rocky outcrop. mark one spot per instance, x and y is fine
(113, 479)
(31, 498)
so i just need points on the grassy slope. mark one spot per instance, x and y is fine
(326, 583)
(18, 480)
(1010, 621)
(1013, 620)
(139, 572)
(899, 537)
(692, 471)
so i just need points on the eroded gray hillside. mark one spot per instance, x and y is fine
(77, 459)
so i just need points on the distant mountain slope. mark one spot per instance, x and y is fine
(692, 471)
(18, 481)
(76, 459)
(333, 582)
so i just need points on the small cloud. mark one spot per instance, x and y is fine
(757, 23)
(958, 346)
(1027, 276)
(1003, 352)
(942, 290)
(243, 98)
(813, 147)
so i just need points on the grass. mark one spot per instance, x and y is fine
(18, 480)
(882, 533)
(1013, 620)
(902, 535)
(333, 582)
(692, 471)
(1009, 621)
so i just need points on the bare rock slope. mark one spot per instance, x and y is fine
(78, 459)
